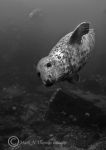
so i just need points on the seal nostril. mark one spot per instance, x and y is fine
(38, 74)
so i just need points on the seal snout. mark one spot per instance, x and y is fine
(48, 83)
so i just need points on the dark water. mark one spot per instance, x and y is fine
(22, 37)
(28, 31)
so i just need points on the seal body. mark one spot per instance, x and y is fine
(68, 56)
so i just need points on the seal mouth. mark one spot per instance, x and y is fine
(48, 83)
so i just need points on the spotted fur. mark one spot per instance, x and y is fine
(68, 56)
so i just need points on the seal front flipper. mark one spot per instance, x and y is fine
(73, 79)
(77, 34)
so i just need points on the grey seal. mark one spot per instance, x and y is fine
(68, 56)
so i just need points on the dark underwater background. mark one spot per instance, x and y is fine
(28, 110)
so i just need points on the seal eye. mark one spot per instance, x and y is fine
(49, 65)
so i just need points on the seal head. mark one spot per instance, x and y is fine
(50, 70)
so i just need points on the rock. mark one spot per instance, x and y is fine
(69, 120)
(84, 117)
(75, 109)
